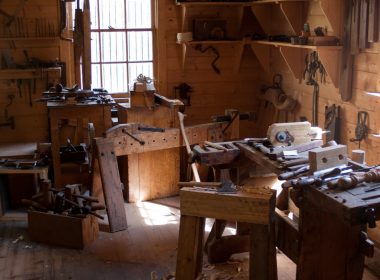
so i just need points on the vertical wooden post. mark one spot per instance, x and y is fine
(86, 58)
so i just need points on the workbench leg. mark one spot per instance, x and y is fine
(262, 254)
(190, 242)
(329, 248)
(55, 153)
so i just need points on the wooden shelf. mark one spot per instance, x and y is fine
(294, 56)
(283, 44)
(22, 42)
(29, 38)
(374, 137)
(214, 4)
(25, 74)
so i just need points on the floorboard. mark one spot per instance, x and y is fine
(148, 246)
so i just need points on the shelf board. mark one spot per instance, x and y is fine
(214, 4)
(276, 1)
(283, 44)
(25, 74)
(212, 42)
(294, 56)
(374, 137)
(29, 38)
(249, 3)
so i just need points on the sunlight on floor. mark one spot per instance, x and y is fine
(155, 214)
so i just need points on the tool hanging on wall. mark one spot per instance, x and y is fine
(332, 123)
(182, 92)
(214, 51)
(314, 71)
(361, 130)
(281, 101)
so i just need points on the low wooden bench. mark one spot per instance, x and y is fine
(255, 206)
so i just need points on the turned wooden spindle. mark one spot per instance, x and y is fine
(356, 178)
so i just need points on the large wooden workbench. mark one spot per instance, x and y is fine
(330, 242)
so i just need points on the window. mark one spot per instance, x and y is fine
(121, 42)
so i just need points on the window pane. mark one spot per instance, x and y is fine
(95, 76)
(139, 14)
(113, 46)
(115, 77)
(93, 13)
(112, 14)
(95, 53)
(135, 69)
(140, 46)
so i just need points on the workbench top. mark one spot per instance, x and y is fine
(349, 205)
(17, 150)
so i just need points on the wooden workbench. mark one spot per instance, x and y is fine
(21, 151)
(82, 113)
(331, 227)
(143, 172)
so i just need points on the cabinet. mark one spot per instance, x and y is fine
(289, 15)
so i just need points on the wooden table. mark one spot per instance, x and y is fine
(82, 113)
(142, 174)
(255, 207)
(21, 151)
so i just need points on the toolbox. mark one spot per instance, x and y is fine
(73, 154)
(61, 230)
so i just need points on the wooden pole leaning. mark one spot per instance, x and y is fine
(188, 149)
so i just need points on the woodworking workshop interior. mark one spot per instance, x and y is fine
(190, 139)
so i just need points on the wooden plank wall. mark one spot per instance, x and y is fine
(212, 92)
(366, 77)
(35, 30)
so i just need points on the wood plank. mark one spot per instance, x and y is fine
(112, 190)
(250, 207)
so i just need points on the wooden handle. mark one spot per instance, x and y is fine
(188, 149)
(356, 178)
(215, 145)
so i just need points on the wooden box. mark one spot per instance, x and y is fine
(62, 230)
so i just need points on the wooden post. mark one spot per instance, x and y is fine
(86, 58)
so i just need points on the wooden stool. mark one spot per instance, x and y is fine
(255, 207)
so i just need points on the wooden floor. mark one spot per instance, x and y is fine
(147, 248)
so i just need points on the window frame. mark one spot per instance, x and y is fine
(126, 32)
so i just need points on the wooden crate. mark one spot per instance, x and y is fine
(62, 230)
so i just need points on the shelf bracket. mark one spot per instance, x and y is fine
(333, 11)
(262, 53)
(294, 58)
(330, 59)
(294, 13)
